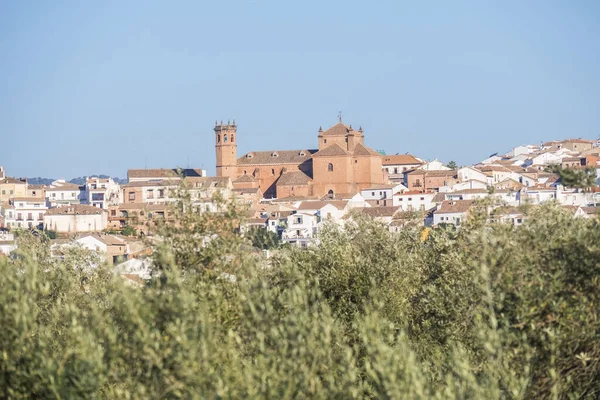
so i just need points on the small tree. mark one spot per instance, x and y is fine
(452, 165)
(263, 238)
(579, 178)
(129, 231)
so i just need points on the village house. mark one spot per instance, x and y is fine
(300, 230)
(25, 212)
(425, 180)
(11, 188)
(163, 174)
(452, 212)
(576, 145)
(61, 193)
(75, 218)
(381, 195)
(396, 165)
(414, 200)
(101, 192)
(8, 243)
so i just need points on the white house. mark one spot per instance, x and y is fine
(25, 212)
(324, 210)
(537, 195)
(506, 196)
(76, 218)
(491, 159)
(7, 242)
(471, 173)
(101, 193)
(301, 229)
(382, 195)
(452, 212)
(435, 165)
(521, 150)
(63, 193)
(414, 200)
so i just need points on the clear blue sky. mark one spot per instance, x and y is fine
(99, 87)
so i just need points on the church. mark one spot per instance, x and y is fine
(341, 166)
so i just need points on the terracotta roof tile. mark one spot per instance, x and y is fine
(276, 157)
(244, 178)
(331, 151)
(338, 129)
(454, 206)
(400, 159)
(316, 205)
(162, 173)
(293, 178)
(361, 150)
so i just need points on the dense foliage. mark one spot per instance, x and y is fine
(487, 311)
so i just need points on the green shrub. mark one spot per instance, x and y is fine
(488, 311)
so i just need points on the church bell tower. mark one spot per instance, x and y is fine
(226, 149)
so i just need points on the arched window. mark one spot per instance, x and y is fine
(225, 138)
(272, 171)
(330, 194)
(244, 172)
(232, 137)
(330, 167)
(218, 138)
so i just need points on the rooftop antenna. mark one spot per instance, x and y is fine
(340, 116)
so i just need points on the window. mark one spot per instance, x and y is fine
(225, 138)
(330, 194)
(131, 196)
(272, 171)
(410, 199)
(62, 196)
(161, 193)
(40, 216)
(422, 198)
(29, 216)
(324, 140)
(330, 167)
(33, 193)
(298, 220)
(3, 191)
(298, 232)
(113, 213)
(372, 193)
(395, 170)
(232, 137)
(150, 194)
(218, 138)
(11, 192)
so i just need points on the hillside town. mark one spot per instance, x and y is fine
(294, 193)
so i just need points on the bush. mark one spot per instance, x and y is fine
(488, 311)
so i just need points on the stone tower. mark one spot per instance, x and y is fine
(226, 149)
